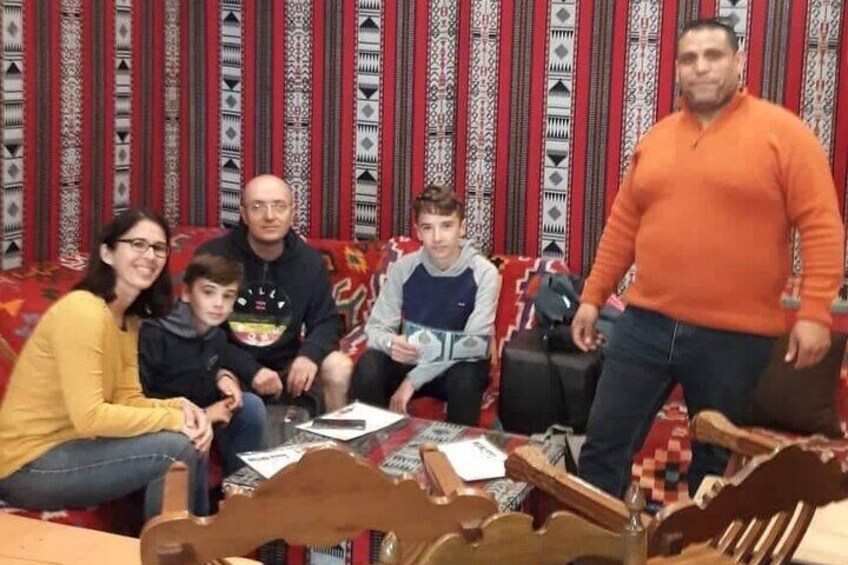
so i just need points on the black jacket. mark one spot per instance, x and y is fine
(285, 307)
(174, 360)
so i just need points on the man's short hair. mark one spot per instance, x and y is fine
(439, 200)
(713, 23)
(216, 268)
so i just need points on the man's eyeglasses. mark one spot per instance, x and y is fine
(141, 245)
(278, 207)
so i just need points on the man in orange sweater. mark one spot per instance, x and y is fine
(705, 212)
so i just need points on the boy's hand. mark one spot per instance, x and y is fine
(267, 382)
(401, 397)
(229, 387)
(301, 375)
(219, 412)
(402, 351)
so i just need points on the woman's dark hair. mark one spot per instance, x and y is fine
(99, 278)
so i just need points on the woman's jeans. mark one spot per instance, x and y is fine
(648, 353)
(88, 472)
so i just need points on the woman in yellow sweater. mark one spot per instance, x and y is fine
(75, 428)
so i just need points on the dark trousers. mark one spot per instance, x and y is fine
(648, 353)
(377, 377)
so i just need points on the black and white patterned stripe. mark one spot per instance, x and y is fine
(230, 155)
(12, 156)
(366, 168)
(70, 158)
(442, 59)
(559, 126)
(482, 121)
(123, 104)
(298, 88)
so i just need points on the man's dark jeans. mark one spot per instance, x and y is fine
(648, 353)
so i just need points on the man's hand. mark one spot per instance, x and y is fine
(229, 387)
(809, 341)
(401, 397)
(583, 328)
(301, 375)
(219, 412)
(402, 351)
(267, 382)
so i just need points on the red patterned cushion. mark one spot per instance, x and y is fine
(350, 265)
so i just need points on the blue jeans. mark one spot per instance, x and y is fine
(245, 432)
(648, 353)
(377, 376)
(88, 472)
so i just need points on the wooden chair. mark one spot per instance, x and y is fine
(758, 515)
(329, 496)
(509, 538)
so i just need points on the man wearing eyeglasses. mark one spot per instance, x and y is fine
(285, 314)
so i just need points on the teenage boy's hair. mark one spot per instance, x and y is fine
(216, 268)
(438, 200)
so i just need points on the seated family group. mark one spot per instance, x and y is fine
(116, 382)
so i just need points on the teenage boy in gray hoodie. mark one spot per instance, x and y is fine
(187, 354)
(430, 329)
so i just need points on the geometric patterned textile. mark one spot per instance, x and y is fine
(530, 108)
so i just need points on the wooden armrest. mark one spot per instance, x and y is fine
(175, 489)
(440, 473)
(529, 464)
(713, 427)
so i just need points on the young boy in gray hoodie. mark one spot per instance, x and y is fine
(430, 329)
(187, 354)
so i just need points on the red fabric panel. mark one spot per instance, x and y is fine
(755, 47)
(795, 49)
(616, 103)
(346, 134)
(87, 125)
(278, 120)
(668, 42)
(186, 149)
(578, 148)
(536, 129)
(157, 110)
(213, 125)
(56, 128)
(316, 192)
(419, 98)
(387, 115)
(708, 8)
(248, 90)
(137, 144)
(462, 74)
(108, 50)
(840, 146)
(500, 212)
(30, 135)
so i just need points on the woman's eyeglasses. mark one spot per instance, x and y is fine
(141, 245)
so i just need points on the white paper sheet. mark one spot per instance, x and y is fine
(271, 461)
(475, 459)
(375, 419)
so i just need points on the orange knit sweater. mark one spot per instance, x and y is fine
(705, 214)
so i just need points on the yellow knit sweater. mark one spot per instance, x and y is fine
(77, 377)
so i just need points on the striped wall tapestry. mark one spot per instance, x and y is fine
(531, 108)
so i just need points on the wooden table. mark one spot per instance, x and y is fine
(26, 541)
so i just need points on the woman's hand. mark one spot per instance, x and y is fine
(197, 427)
